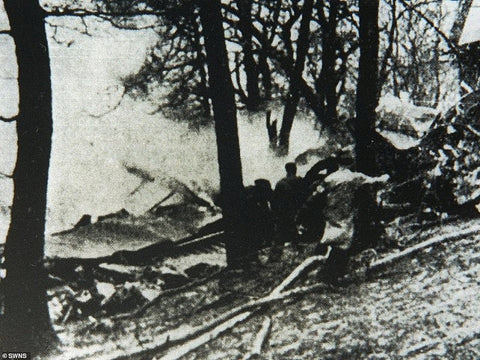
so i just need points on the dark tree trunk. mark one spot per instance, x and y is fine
(458, 24)
(293, 97)
(383, 74)
(367, 87)
(224, 112)
(328, 64)
(251, 69)
(365, 228)
(266, 75)
(203, 86)
(26, 323)
(468, 63)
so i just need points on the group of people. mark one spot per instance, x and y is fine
(317, 208)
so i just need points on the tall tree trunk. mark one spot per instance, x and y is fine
(251, 70)
(365, 229)
(383, 75)
(26, 323)
(203, 86)
(367, 87)
(264, 69)
(295, 78)
(224, 112)
(328, 64)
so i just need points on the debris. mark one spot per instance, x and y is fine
(125, 298)
(106, 290)
(201, 270)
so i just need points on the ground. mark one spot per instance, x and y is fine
(424, 306)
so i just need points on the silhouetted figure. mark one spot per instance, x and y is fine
(310, 219)
(286, 201)
(260, 220)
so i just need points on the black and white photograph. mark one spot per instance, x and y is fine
(239, 179)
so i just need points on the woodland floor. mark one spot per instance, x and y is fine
(424, 306)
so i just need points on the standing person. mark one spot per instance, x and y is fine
(287, 198)
(260, 222)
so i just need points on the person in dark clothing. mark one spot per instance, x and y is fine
(310, 220)
(287, 198)
(260, 221)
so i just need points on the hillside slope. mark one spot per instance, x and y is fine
(424, 306)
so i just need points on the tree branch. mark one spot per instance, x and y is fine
(56, 11)
(449, 42)
(8, 176)
(9, 119)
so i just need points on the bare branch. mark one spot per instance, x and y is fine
(445, 37)
(8, 176)
(58, 12)
(8, 119)
(111, 109)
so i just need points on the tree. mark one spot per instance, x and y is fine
(249, 63)
(367, 101)
(327, 82)
(364, 130)
(295, 76)
(26, 322)
(224, 111)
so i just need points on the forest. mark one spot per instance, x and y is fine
(146, 210)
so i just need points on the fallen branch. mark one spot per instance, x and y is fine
(210, 329)
(259, 340)
(301, 269)
(420, 348)
(381, 263)
(177, 353)
(179, 335)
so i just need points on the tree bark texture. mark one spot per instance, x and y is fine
(224, 112)
(26, 323)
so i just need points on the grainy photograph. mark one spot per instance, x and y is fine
(239, 179)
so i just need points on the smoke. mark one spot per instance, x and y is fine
(88, 173)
